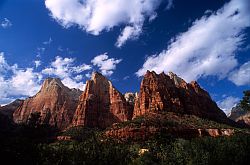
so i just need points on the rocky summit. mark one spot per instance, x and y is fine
(55, 102)
(168, 92)
(101, 104)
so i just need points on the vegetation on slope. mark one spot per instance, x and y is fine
(33, 144)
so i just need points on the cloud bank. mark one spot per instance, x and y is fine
(16, 82)
(208, 47)
(96, 16)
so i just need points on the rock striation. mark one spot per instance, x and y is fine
(161, 92)
(101, 104)
(55, 102)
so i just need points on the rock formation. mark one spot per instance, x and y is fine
(55, 102)
(9, 109)
(161, 92)
(101, 104)
(167, 124)
(130, 97)
(240, 115)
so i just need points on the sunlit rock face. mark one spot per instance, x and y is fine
(55, 102)
(168, 92)
(101, 104)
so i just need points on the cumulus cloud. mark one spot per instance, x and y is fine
(228, 103)
(241, 76)
(208, 47)
(15, 81)
(66, 69)
(95, 16)
(25, 82)
(105, 64)
(6, 23)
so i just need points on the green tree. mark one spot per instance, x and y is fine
(245, 102)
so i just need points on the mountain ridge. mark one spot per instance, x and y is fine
(101, 104)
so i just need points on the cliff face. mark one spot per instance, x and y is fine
(55, 102)
(9, 109)
(161, 92)
(101, 104)
(240, 115)
(165, 124)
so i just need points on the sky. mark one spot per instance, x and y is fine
(207, 41)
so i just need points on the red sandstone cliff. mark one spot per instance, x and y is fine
(101, 104)
(161, 92)
(55, 102)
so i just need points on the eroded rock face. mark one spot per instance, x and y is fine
(145, 132)
(9, 109)
(240, 115)
(101, 104)
(161, 92)
(56, 103)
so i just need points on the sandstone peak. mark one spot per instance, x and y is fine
(168, 92)
(55, 102)
(177, 80)
(101, 104)
(51, 82)
(96, 74)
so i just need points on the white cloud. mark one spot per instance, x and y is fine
(25, 82)
(3, 64)
(37, 63)
(228, 103)
(241, 76)
(66, 69)
(208, 47)
(95, 16)
(129, 32)
(6, 23)
(105, 64)
(71, 83)
(16, 82)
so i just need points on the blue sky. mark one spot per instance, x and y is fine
(207, 41)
